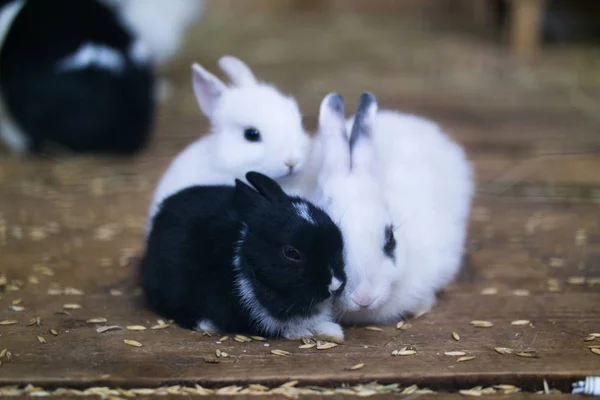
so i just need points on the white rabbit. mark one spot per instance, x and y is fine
(401, 191)
(253, 127)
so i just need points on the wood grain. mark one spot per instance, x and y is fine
(79, 222)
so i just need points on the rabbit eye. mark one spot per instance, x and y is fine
(390, 242)
(252, 135)
(292, 254)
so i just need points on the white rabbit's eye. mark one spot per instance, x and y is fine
(292, 254)
(390, 242)
(252, 135)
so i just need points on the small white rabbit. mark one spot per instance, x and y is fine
(401, 191)
(253, 127)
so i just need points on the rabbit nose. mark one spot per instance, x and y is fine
(363, 300)
(290, 164)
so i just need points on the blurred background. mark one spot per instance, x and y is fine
(516, 82)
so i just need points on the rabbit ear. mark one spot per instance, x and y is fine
(246, 199)
(207, 87)
(239, 73)
(362, 149)
(266, 186)
(332, 130)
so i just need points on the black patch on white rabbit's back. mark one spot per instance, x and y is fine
(94, 107)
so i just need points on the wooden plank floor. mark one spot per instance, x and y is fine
(71, 230)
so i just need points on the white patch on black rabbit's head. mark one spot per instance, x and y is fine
(353, 196)
(288, 263)
(256, 127)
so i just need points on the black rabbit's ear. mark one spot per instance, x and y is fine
(246, 199)
(266, 186)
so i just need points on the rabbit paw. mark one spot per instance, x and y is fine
(295, 333)
(330, 331)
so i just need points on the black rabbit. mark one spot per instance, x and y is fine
(223, 258)
(72, 75)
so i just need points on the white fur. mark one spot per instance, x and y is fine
(8, 13)
(224, 155)
(139, 52)
(10, 133)
(406, 172)
(96, 55)
(319, 325)
(160, 24)
(206, 326)
(303, 212)
(335, 284)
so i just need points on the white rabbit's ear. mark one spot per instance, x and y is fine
(207, 87)
(237, 71)
(332, 132)
(362, 147)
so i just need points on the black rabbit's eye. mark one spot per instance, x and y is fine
(292, 254)
(252, 135)
(390, 242)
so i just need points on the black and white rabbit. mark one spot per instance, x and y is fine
(233, 259)
(71, 74)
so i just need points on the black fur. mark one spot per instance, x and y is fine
(88, 110)
(188, 272)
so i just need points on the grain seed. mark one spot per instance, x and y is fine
(399, 325)
(16, 302)
(521, 322)
(455, 353)
(407, 352)
(281, 353)
(325, 345)
(211, 360)
(373, 328)
(503, 350)
(103, 329)
(470, 392)
(53, 332)
(307, 346)
(409, 390)
(41, 339)
(3, 353)
(520, 292)
(556, 262)
(71, 306)
(595, 351)
(455, 336)
(132, 343)
(136, 328)
(466, 358)
(17, 308)
(242, 339)
(258, 338)
(576, 280)
(9, 322)
(489, 291)
(96, 320)
(527, 354)
(482, 324)
(357, 367)
(580, 237)
(592, 336)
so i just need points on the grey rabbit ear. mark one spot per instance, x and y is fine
(266, 186)
(362, 149)
(333, 136)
